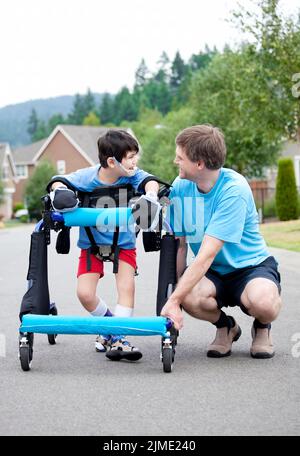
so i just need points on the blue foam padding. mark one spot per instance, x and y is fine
(102, 217)
(63, 324)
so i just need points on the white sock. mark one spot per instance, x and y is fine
(122, 311)
(100, 310)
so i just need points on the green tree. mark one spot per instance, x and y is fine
(232, 94)
(178, 71)
(124, 107)
(141, 74)
(56, 119)
(89, 103)
(286, 191)
(41, 131)
(106, 111)
(36, 187)
(78, 112)
(276, 39)
(32, 125)
(91, 119)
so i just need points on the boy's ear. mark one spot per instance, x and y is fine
(110, 162)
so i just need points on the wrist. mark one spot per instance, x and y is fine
(152, 195)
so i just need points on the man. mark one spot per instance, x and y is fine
(232, 265)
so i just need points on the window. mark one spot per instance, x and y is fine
(22, 171)
(61, 166)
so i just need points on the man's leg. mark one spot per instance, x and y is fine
(202, 303)
(262, 301)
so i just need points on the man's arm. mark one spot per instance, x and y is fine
(181, 256)
(209, 249)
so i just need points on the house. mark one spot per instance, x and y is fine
(68, 148)
(9, 180)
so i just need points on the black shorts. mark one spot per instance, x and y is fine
(231, 286)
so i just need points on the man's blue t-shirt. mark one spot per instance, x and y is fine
(87, 180)
(227, 213)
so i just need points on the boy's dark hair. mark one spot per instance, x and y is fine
(115, 143)
(203, 142)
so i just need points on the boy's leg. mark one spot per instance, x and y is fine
(120, 347)
(87, 293)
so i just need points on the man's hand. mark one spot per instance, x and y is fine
(146, 211)
(63, 199)
(172, 310)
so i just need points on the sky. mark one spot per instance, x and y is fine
(50, 48)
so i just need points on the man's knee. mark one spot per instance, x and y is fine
(196, 302)
(266, 307)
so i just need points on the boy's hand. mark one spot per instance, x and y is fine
(63, 199)
(146, 211)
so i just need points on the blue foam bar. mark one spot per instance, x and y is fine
(107, 217)
(62, 324)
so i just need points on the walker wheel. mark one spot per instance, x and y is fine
(25, 358)
(167, 358)
(52, 337)
(26, 351)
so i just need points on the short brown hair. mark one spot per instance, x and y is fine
(115, 143)
(203, 142)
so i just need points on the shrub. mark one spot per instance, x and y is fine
(270, 208)
(286, 191)
(36, 188)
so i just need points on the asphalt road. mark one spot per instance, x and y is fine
(72, 390)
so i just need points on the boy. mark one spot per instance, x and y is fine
(118, 159)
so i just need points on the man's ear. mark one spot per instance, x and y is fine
(200, 164)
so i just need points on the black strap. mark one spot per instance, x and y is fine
(116, 250)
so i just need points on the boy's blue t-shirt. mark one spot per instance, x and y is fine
(87, 180)
(227, 213)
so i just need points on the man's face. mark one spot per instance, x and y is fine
(187, 169)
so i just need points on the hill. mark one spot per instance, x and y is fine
(14, 118)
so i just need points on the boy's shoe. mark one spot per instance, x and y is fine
(120, 348)
(262, 345)
(221, 346)
(102, 343)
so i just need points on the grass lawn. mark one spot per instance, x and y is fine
(284, 235)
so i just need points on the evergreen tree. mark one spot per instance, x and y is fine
(32, 125)
(41, 131)
(106, 111)
(88, 103)
(163, 73)
(125, 107)
(286, 191)
(141, 74)
(78, 112)
(56, 119)
(178, 71)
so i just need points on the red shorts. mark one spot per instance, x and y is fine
(128, 256)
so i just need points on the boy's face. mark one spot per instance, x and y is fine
(130, 160)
